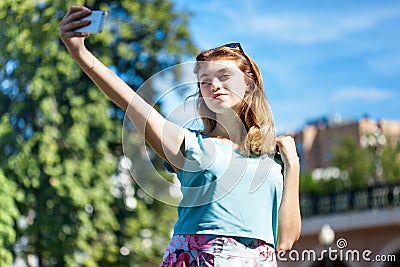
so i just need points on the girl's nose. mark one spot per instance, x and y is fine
(215, 84)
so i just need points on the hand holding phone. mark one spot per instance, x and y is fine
(97, 19)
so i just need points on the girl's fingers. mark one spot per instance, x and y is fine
(72, 34)
(287, 146)
(74, 25)
(284, 140)
(67, 31)
(74, 18)
(74, 10)
(77, 15)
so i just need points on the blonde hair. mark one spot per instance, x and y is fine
(254, 110)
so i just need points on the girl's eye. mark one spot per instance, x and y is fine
(205, 82)
(225, 76)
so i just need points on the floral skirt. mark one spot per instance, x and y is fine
(211, 250)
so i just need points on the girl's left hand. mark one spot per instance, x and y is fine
(73, 20)
(287, 148)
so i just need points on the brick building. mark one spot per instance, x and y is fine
(316, 140)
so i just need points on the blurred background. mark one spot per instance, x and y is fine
(332, 75)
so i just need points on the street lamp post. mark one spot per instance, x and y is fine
(325, 238)
(375, 140)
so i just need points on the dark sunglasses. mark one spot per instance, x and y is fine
(234, 45)
(238, 46)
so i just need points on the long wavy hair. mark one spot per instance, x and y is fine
(254, 109)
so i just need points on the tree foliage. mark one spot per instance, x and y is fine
(60, 137)
(357, 164)
(391, 162)
(9, 214)
(356, 161)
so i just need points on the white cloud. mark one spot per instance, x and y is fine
(263, 21)
(360, 94)
(312, 27)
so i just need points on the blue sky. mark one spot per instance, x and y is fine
(318, 58)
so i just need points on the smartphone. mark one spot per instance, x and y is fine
(97, 19)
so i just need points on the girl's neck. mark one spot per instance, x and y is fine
(229, 127)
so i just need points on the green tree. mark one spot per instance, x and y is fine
(359, 162)
(356, 161)
(308, 185)
(390, 159)
(60, 137)
(9, 213)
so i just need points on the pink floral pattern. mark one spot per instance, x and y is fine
(211, 250)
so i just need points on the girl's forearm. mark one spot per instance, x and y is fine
(142, 114)
(116, 89)
(289, 212)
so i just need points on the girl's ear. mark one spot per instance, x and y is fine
(249, 86)
(247, 91)
(249, 83)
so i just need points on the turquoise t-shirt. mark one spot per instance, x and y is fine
(227, 193)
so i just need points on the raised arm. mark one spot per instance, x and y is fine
(289, 221)
(162, 135)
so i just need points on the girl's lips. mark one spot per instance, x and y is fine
(216, 96)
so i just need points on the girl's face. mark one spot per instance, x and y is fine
(222, 85)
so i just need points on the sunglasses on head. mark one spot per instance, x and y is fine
(238, 46)
(234, 45)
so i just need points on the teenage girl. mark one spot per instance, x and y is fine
(239, 206)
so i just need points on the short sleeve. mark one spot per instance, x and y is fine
(193, 144)
(193, 151)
